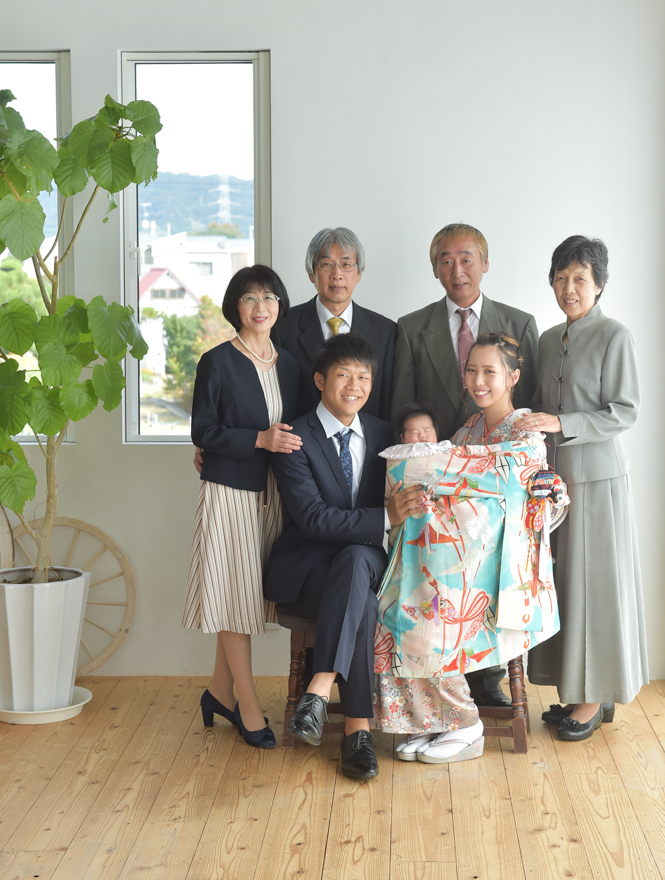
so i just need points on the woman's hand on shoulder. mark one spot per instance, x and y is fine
(198, 459)
(278, 439)
(541, 421)
(472, 421)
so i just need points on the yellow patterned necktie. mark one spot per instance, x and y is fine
(335, 324)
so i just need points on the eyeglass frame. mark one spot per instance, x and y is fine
(267, 298)
(329, 265)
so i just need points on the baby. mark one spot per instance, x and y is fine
(417, 424)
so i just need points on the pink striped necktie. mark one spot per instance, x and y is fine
(465, 341)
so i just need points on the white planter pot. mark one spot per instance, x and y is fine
(40, 631)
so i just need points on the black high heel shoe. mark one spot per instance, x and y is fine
(210, 705)
(260, 739)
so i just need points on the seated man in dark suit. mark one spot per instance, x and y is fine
(335, 262)
(430, 358)
(328, 562)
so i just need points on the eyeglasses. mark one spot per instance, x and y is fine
(251, 299)
(328, 266)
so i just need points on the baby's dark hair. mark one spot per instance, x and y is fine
(412, 411)
(508, 347)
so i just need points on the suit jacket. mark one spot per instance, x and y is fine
(427, 369)
(320, 518)
(599, 395)
(228, 411)
(300, 334)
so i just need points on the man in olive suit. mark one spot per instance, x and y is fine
(430, 358)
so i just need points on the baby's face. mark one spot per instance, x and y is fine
(419, 429)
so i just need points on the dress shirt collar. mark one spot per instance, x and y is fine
(324, 313)
(476, 306)
(331, 425)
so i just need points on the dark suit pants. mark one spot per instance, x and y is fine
(485, 680)
(340, 594)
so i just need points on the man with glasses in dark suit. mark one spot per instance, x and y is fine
(335, 262)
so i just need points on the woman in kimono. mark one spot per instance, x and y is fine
(439, 712)
(587, 396)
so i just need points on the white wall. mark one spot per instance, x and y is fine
(532, 121)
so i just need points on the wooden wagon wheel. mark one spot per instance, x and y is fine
(112, 598)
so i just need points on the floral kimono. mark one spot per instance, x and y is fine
(468, 584)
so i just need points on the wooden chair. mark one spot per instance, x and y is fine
(303, 636)
(518, 713)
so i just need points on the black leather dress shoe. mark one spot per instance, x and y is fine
(308, 719)
(573, 730)
(556, 713)
(492, 698)
(358, 755)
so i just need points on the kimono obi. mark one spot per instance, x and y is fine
(468, 584)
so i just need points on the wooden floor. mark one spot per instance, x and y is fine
(135, 787)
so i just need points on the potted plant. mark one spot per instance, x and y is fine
(79, 347)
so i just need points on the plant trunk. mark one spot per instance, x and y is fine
(44, 535)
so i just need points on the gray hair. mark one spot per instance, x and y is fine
(326, 238)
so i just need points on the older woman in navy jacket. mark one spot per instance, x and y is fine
(244, 396)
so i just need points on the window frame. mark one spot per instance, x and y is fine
(260, 60)
(63, 115)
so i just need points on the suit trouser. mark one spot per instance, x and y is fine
(340, 594)
(485, 680)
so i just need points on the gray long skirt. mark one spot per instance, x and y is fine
(600, 654)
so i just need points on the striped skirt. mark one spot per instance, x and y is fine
(234, 531)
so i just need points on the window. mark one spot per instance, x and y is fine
(206, 216)
(40, 84)
(202, 268)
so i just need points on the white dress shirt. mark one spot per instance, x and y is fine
(473, 319)
(324, 314)
(357, 447)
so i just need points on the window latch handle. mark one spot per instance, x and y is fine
(133, 250)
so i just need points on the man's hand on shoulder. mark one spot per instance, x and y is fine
(402, 504)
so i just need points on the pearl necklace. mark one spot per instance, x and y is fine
(254, 354)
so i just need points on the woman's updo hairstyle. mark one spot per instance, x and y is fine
(509, 349)
(585, 251)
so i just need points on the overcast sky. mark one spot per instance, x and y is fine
(207, 113)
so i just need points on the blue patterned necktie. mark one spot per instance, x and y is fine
(345, 457)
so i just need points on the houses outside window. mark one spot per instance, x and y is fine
(206, 216)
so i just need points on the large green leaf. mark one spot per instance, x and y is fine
(17, 485)
(78, 400)
(85, 352)
(17, 325)
(88, 142)
(70, 177)
(114, 170)
(111, 328)
(17, 179)
(111, 113)
(11, 446)
(21, 226)
(108, 382)
(56, 328)
(144, 157)
(14, 407)
(144, 116)
(77, 314)
(31, 152)
(10, 374)
(6, 96)
(57, 366)
(139, 347)
(46, 414)
(10, 121)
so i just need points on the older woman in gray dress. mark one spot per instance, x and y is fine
(587, 396)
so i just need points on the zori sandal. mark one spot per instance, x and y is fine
(455, 745)
(406, 750)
